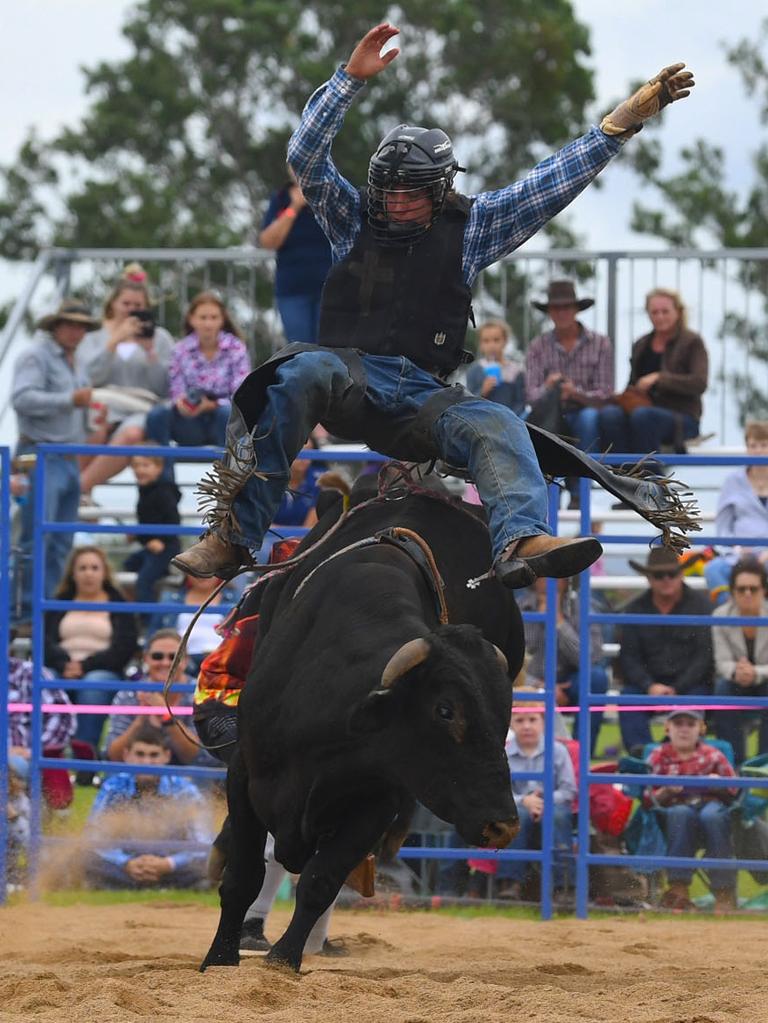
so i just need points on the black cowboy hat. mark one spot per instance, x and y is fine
(660, 559)
(69, 311)
(562, 293)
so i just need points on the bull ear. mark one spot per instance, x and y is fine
(373, 713)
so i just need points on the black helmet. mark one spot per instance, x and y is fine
(408, 160)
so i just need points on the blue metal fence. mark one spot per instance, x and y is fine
(5, 614)
(547, 854)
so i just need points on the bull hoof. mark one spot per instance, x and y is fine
(220, 957)
(276, 959)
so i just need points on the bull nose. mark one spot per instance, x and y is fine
(498, 834)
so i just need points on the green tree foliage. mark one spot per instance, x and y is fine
(183, 140)
(699, 210)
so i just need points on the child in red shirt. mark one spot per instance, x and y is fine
(694, 816)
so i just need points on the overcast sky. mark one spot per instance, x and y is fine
(43, 44)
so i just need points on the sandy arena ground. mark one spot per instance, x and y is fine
(121, 963)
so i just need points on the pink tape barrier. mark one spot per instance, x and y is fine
(94, 708)
(522, 708)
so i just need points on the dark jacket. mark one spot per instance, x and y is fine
(158, 504)
(684, 372)
(117, 655)
(679, 657)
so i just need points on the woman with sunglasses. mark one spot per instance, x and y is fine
(159, 653)
(741, 655)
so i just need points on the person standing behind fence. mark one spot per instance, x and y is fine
(662, 660)
(127, 359)
(303, 260)
(50, 396)
(742, 511)
(741, 655)
(206, 368)
(158, 504)
(493, 375)
(668, 375)
(91, 646)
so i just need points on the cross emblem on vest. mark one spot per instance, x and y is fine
(370, 275)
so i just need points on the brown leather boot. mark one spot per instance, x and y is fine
(213, 556)
(551, 557)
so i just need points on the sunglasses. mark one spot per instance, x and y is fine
(671, 573)
(157, 655)
(747, 589)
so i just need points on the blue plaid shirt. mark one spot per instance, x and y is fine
(498, 223)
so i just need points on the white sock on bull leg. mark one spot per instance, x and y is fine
(273, 878)
(319, 932)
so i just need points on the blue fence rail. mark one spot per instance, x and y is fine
(547, 854)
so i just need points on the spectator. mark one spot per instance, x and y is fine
(662, 660)
(667, 377)
(18, 811)
(741, 655)
(568, 645)
(207, 366)
(297, 507)
(150, 811)
(93, 646)
(58, 727)
(303, 260)
(158, 505)
(159, 653)
(525, 753)
(693, 816)
(492, 375)
(50, 398)
(203, 638)
(127, 360)
(742, 511)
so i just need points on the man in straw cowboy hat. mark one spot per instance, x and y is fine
(663, 660)
(393, 320)
(50, 397)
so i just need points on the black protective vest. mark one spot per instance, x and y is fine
(409, 300)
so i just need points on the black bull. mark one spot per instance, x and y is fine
(344, 719)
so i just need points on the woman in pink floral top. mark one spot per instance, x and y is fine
(206, 367)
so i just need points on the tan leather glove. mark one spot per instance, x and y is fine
(670, 84)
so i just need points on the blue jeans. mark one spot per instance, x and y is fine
(644, 430)
(300, 315)
(689, 828)
(635, 725)
(90, 726)
(151, 568)
(62, 498)
(729, 724)
(598, 683)
(482, 436)
(529, 837)
(101, 873)
(165, 423)
(584, 425)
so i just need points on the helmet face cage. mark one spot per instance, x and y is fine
(404, 169)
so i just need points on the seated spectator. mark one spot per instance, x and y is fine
(492, 375)
(17, 817)
(742, 511)
(159, 653)
(662, 660)
(150, 811)
(58, 727)
(303, 260)
(525, 753)
(94, 646)
(127, 363)
(741, 655)
(50, 398)
(568, 646)
(693, 816)
(206, 369)
(297, 507)
(158, 504)
(667, 377)
(203, 638)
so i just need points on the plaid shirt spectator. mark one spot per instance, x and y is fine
(220, 376)
(589, 365)
(704, 760)
(58, 728)
(498, 222)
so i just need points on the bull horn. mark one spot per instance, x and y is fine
(412, 653)
(501, 658)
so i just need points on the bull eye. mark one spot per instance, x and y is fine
(444, 711)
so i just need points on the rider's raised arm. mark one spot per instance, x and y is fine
(334, 201)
